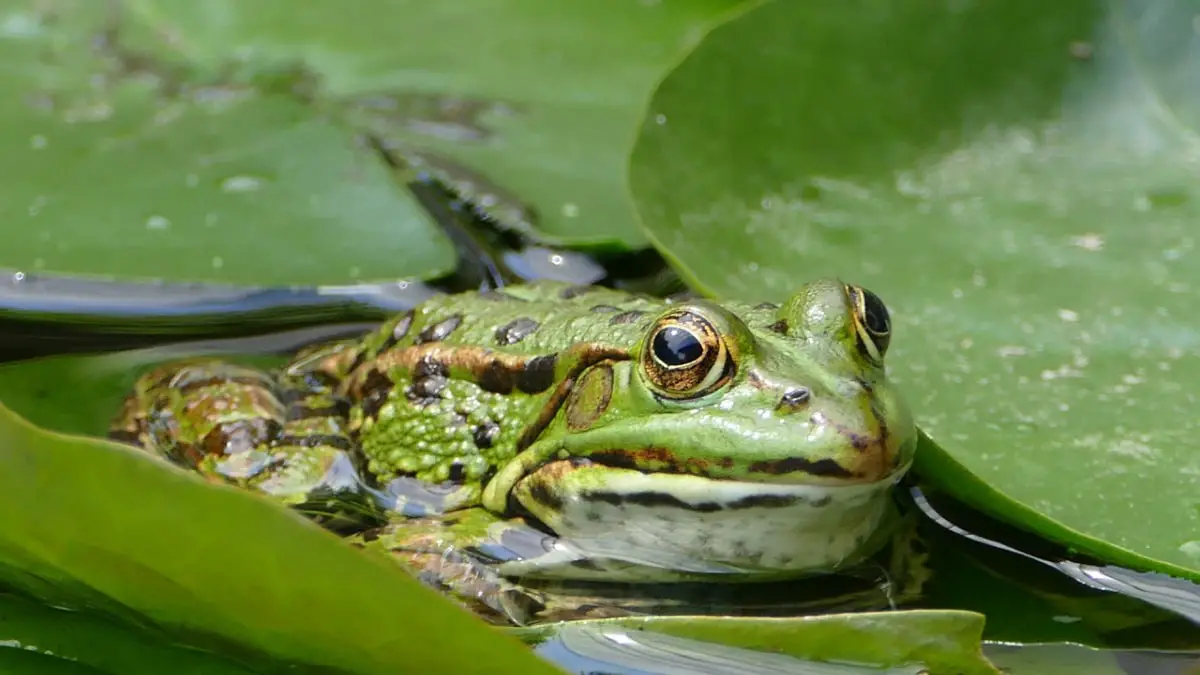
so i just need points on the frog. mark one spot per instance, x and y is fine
(554, 432)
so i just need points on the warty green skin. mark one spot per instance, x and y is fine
(538, 401)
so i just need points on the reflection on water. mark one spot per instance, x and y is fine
(589, 649)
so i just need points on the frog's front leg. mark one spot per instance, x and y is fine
(284, 437)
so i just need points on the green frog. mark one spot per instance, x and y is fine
(558, 432)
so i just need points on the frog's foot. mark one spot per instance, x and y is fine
(437, 552)
(238, 425)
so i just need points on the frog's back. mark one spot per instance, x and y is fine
(531, 319)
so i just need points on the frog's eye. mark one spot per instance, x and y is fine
(686, 356)
(872, 324)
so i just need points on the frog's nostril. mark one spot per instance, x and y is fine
(794, 398)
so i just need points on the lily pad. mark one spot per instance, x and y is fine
(115, 528)
(527, 107)
(95, 641)
(1020, 183)
(115, 168)
(945, 642)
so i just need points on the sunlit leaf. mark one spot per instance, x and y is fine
(1019, 181)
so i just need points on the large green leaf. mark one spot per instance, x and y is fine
(527, 106)
(90, 521)
(1019, 181)
(99, 642)
(112, 167)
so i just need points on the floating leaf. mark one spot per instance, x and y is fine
(1020, 182)
(527, 107)
(114, 165)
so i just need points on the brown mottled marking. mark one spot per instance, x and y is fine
(605, 309)
(590, 397)
(516, 330)
(493, 371)
(440, 330)
(659, 460)
(780, 326)
(373, 392)
(580, 357)
(231, 438)
(632, 316)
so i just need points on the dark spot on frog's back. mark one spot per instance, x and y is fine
(375, 389)
(632, 316)
(497, 378)
(605, 309)
(516, 330)
(399, 331)
(821, 467)
(440, 330)
(780, 326)
(538, 374)
(485, 434)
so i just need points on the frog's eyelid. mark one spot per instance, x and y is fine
(863, 335)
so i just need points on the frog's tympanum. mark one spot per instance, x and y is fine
(553, 431)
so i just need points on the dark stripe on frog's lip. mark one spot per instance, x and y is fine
(662, 460)
(659, 499)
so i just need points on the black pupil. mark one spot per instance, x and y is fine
(876, 318)
(677, 347)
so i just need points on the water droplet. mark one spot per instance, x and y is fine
(1068, 315)
(570, 210)
(20, 25)
(38, 141)
(1191, 549)
(218, 262)
(660, 119)
(241, 184)
(1088, 242)
(18, 277)
(191, 180)
(157, 223)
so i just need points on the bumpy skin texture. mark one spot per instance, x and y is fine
(589, 409)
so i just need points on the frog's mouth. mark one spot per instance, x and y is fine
(678, 521)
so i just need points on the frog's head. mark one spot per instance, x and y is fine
(760, 438)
